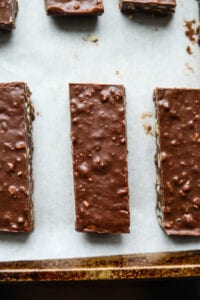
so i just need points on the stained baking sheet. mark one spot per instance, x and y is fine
(48, 53)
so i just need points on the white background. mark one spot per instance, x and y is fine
(48, 53)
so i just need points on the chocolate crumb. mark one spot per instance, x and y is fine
(189, 68)
(90, 38)
(148, 129)
(189, 50)
(191, 30)
(38, 114)
(117, 72)
(93, 39)
(145, 117)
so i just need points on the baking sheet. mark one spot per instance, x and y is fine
(48, 53)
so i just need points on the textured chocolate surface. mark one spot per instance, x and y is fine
(98, 131)
(16, 115)
(74, 7)
(151, 6)
(8, 13)
(198, 30)
(178, 160)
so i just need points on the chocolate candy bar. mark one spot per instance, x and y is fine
(198, 30)
(8, 13)
(74, 7)
(178, 160)
(98, 132)
(150, 6)
(16, 186)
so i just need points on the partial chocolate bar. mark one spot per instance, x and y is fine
(8, 13)
(16, 184)
(98, 132)
(198, 29)
(74, 7)
(150, 6)
(178, 160)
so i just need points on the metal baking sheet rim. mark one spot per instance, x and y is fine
(123, 267)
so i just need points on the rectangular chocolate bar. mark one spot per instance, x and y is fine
(151, 6)
(98, 132)
(178, 160)
(8, 13)
(74, 7)
(16, 186)
(198, 29)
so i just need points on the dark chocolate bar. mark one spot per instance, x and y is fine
(74, 7)
(16, 186)
(150, 6)
(178, 160)
(98, 132)
(198, 29)
(8, 13)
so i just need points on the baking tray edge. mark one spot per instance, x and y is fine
(122, 267)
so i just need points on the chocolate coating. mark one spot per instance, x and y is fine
(178, 160)
(8, 13)
(16, 115)
(198, 30)
(74, 7)
(98, 132)
(150, 6)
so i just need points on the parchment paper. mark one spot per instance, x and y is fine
(48, 53)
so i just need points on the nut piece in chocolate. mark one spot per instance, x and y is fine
(16, 184)
(98, 132)
(150, 6)
(74, 7)
(8, 13)
(178, 160)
